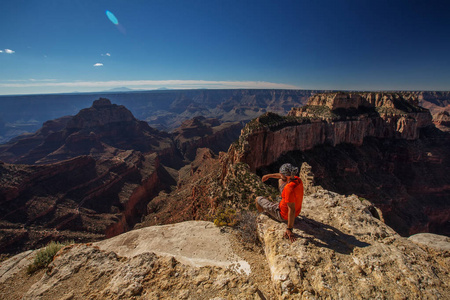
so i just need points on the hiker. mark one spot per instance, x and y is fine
(290, 205)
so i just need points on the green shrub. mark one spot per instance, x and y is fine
(226, 217)
(45, 256)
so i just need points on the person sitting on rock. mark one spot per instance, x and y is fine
(290, 205)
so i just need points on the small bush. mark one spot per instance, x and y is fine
(247, 227)
(226, 217)
(45, 256)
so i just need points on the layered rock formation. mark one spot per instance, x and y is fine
(87, 181)
(330, 119)
(442, 121)
(436, 102)
(381, 146)
(342, 251)
(81, 199)
(93, 131)
(191, 260)
(225, 105)
(201, 132)
(166, 110)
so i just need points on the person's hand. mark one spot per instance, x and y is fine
(289, 235)
(264, 178)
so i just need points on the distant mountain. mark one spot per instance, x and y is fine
(120, 89)
(95, 131)
(167, 109)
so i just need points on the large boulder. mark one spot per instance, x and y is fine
(344, 251)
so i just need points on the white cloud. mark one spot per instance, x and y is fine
(98, 65)
(106, 54)
(9, 51)
(41, 80)
(154, 84)
(1, 51)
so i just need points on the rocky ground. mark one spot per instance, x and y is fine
(189, 260)
(343, 251)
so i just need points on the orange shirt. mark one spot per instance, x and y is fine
(292, 192)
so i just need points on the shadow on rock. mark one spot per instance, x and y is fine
(323, 235)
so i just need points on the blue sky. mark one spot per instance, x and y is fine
(64, 46)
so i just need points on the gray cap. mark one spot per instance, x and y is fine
(288, 170)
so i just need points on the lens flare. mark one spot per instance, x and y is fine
(112, 17)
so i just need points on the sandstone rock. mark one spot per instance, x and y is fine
(196, 243)
(343, 252)
(10, 267)
(435, 241)
(81, 199)
(100, 271)
(442, 120)
(201, 132)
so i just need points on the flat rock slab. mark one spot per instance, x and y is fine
(195, 243)
(435, 241)
(10, 267)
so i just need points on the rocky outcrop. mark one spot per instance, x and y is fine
(93, 131)
(407, 180)
(344, 252)
(433, 241)
(330, 119)
(436, 102)
(201, 132)
(442, 121)
(390, 154)
(189, 260)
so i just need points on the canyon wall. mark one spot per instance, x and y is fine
(81, 199)
(382, 147)
(201, 132)
(329, 119)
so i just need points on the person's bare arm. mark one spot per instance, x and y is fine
(274, 175)
(291, 219)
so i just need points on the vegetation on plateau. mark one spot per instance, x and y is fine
(45, 256)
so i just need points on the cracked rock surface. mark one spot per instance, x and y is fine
(344, 252)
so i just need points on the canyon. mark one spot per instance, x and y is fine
(380, 146)
(166, 110)
(92, 175)
(374, 168)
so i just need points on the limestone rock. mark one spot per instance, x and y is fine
(194, 261)
(435, 241)
(196, 243)
(344, 252)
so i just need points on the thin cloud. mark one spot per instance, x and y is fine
(154, 84)
(41, 80)
(9, 51)
(31, 80)
(1, 51)
(106, 54)
(98, 65)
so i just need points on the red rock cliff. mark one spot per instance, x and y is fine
(390, 154)
(330, 119)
